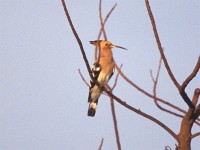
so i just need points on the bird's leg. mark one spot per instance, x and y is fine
(102, 88)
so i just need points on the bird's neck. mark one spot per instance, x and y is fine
(106, 54)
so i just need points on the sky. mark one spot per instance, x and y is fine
(43, 100)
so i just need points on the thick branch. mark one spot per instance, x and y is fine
(195, 135)
(192, 75)
(197, 112)
(196, 96)
(186, 98)
(185, 136)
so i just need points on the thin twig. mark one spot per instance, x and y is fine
(87, 84)
(101, 19)
(154, 91)
(83, 78)
(151, 75)
(114, 118)
(115, 123)
(116, 78)
(155, 81)
(101, 144)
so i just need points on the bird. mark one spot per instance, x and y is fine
(102, 70)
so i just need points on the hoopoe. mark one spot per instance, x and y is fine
(102, 71)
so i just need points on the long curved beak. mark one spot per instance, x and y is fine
(116, 46)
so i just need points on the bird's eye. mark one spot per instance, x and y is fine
(107, 44)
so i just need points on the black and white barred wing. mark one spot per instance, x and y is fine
(96, 69)
(94, 91)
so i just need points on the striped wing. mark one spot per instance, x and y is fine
(96, 69)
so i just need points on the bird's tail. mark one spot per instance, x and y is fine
(94, 94)
(92, 109)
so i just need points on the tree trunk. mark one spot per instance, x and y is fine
(184, 136)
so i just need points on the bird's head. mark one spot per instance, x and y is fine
(105, 44)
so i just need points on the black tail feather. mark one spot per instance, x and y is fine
(91, 112)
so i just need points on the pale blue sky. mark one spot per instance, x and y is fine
(43, 101)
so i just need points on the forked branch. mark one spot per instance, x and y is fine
(155, 81)
(181, 91)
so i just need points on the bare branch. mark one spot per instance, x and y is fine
(114, 119)
(190, 117)
(159, 45)
(101, 144)
(102, 28)
(182, 92)
(196, 96)
(83, 78)
(155, 81)
(186, 98)
(101, 19)
(158, 71)
(77, 38)
(192, 75)
(151, 74)
(197, 112)
(195, 135)
(116, 78)
(115, 123)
